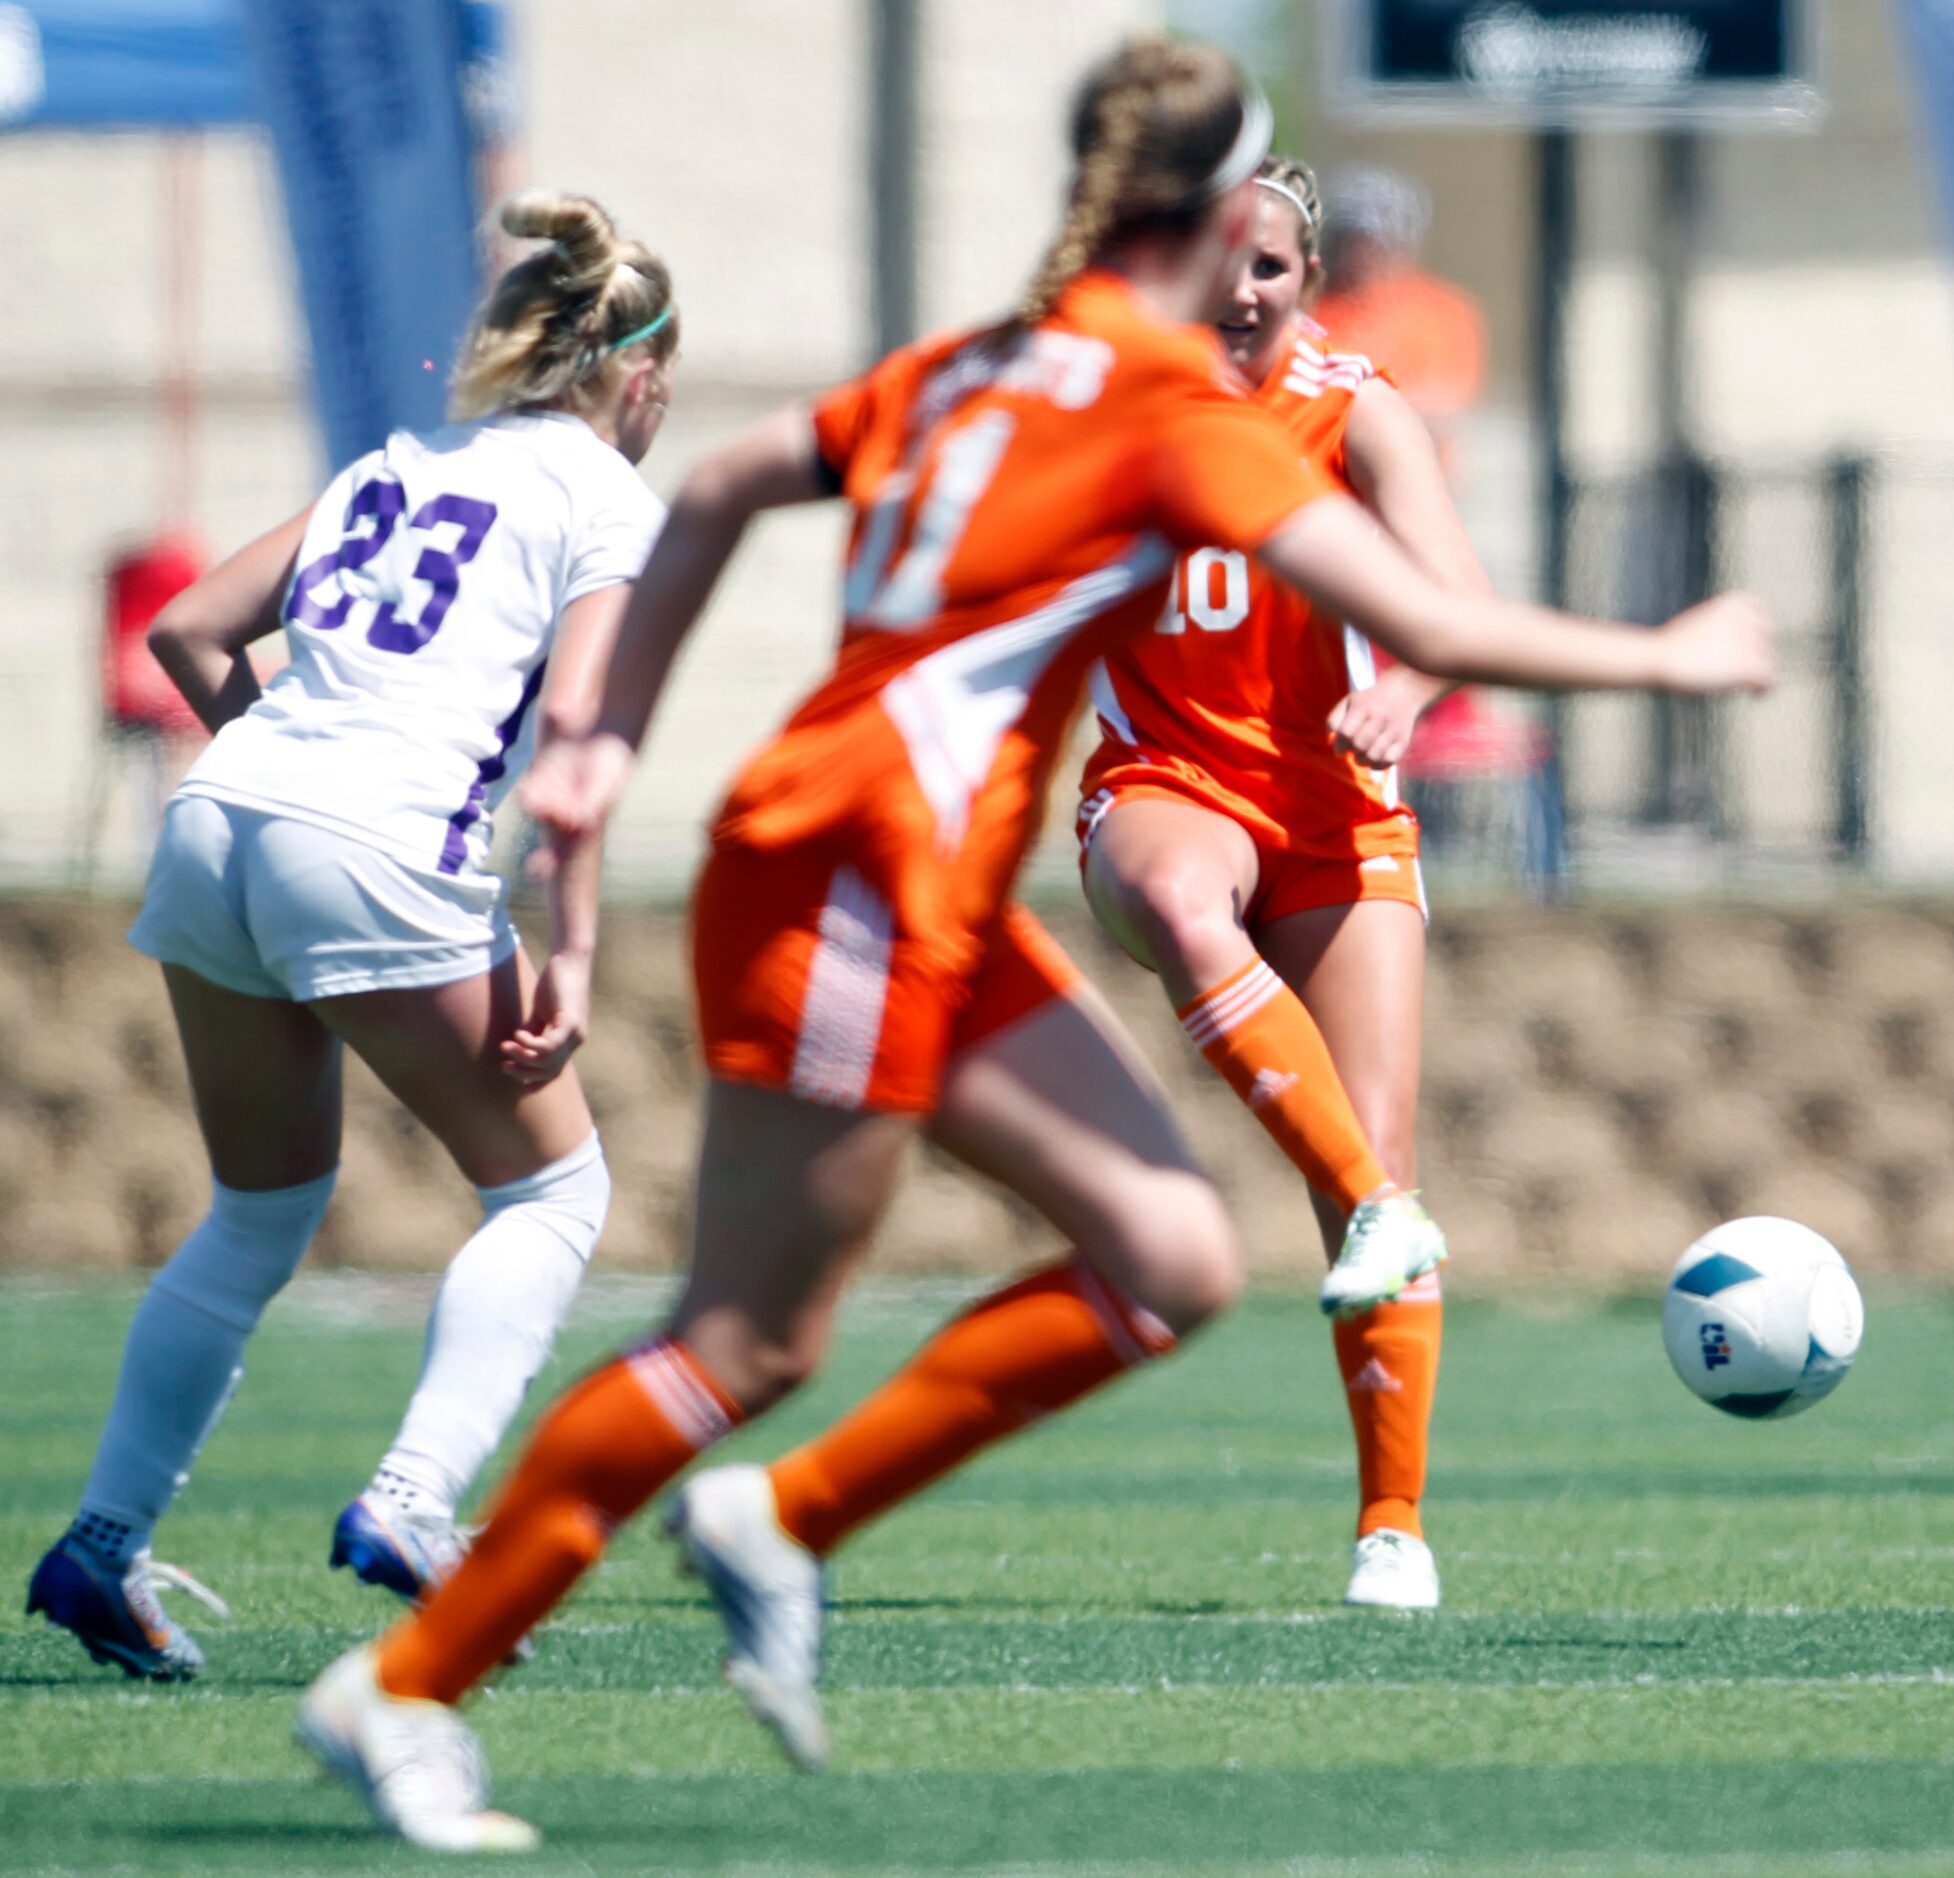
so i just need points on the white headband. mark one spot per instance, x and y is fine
(1290, 196)
(1251, 145)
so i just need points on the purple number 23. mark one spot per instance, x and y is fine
(381, 502)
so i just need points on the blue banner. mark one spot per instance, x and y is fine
(363, 99)
(1929, 26)
(123, 64)
(181, 65)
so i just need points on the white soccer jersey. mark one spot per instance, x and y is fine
(420, 620)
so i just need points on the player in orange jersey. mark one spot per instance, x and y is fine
(862, 976)
(1232, 838)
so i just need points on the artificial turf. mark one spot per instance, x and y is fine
(1670, 1642)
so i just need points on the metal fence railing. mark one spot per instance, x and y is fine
(1645, 788)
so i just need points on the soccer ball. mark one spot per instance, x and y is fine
(1761, 1318)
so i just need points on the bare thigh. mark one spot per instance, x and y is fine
(264, 1076)
(1360, 971)
(789, 1194)
(1171, 883)
(437, 1048)
(1062, 1110)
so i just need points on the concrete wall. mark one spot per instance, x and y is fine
(1599, 1088)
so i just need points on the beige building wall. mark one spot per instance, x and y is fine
(734, 136)
(1822, 322)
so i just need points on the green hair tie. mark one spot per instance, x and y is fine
(643, 332)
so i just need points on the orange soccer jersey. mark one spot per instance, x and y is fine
(1226, 701)
(1017, 514)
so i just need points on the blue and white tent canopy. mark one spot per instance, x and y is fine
(176, 65)
(123, 64)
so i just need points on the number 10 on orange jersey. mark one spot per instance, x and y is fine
(1214, 605)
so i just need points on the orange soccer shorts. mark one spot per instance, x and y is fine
(805, 983)
(1287, 879)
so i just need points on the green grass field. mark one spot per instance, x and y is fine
(1671, 1642)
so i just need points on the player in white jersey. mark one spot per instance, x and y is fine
(319, 883)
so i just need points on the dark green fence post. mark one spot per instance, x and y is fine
(1848, 484)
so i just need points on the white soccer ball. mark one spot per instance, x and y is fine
(1761, 1318)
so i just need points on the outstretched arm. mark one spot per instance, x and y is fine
(770, 466)
(558, 1018)
(1334, 552)
(576, 781)
(1394, 467)
(199, 638)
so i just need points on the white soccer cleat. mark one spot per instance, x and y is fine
(769, 1591)
(1392, 1571)
(1390, 1241)
(417, 1765)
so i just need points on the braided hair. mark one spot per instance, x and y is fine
(1151, 128)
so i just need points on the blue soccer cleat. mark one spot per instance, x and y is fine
(409, 1554)
(114, 1612)
(405, 1553)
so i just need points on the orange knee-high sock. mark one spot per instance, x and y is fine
(1389, 1359)
(596, 1457)
(1255, 1031)
(1011, 1358)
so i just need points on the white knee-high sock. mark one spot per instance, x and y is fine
(181, 1363)
(494, 1321)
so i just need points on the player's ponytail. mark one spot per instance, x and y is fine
(558, 323)
(1159, 130)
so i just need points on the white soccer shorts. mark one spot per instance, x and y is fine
(277, 908)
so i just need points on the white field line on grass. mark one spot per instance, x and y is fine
(1276, 1620)
(363, 1300)
(1435, 1865)
(1210, 1620)
(208, 1694)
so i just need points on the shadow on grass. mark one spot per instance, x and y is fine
(1156, 1817)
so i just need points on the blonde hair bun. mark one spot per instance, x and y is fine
(559, 323)
(580, 227)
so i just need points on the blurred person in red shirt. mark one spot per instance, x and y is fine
(1431, 337)
(1430, 334)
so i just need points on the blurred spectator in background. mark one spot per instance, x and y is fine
(1429, 334)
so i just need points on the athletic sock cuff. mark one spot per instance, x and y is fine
(685, 1392)
(535, 1186)
(308, 1198)
(1211, 1016)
